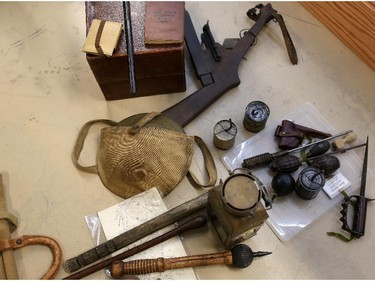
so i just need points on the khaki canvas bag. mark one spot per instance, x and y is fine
(144, 151)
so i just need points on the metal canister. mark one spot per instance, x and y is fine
(310, 182)
(256, 115)
(225, 132)
(241, 193)
(235, 209)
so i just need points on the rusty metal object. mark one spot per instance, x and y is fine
(357, 229)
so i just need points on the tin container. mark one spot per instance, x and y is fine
(236, 217)
(225, 132)
(310, 182)
(235, 209)
(256, 115)
(240, 194)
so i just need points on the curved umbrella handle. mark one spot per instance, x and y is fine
(27, 240)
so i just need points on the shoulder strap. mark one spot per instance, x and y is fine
(81, 140)
(209, 164)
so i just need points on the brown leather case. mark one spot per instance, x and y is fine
(291, 134)
(159, 69)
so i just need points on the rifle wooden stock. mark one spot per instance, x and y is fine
(186, 110)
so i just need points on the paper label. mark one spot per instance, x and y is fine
(336, 184)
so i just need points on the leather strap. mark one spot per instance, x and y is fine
(292, 53)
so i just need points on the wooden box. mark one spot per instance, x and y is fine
(159, 69)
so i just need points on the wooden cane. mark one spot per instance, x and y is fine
(9, 269)
(240, 256)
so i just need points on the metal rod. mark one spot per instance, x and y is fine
(266, 158)
(342, 150)
(320, 141)
(364, 171)
(129, 46)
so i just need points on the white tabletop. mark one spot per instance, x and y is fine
(48, 92)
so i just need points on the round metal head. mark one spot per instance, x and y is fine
(242, 255)
(283, 184)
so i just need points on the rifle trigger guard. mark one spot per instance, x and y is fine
(27, 240)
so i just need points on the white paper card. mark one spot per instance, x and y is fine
(134, 211)
(336, 184)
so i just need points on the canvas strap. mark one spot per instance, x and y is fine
(80, 142)
(98, 37)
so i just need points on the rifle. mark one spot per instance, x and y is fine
(220, 74)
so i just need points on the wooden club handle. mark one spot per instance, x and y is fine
(120, 268)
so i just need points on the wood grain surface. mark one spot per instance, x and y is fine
(352, 22)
